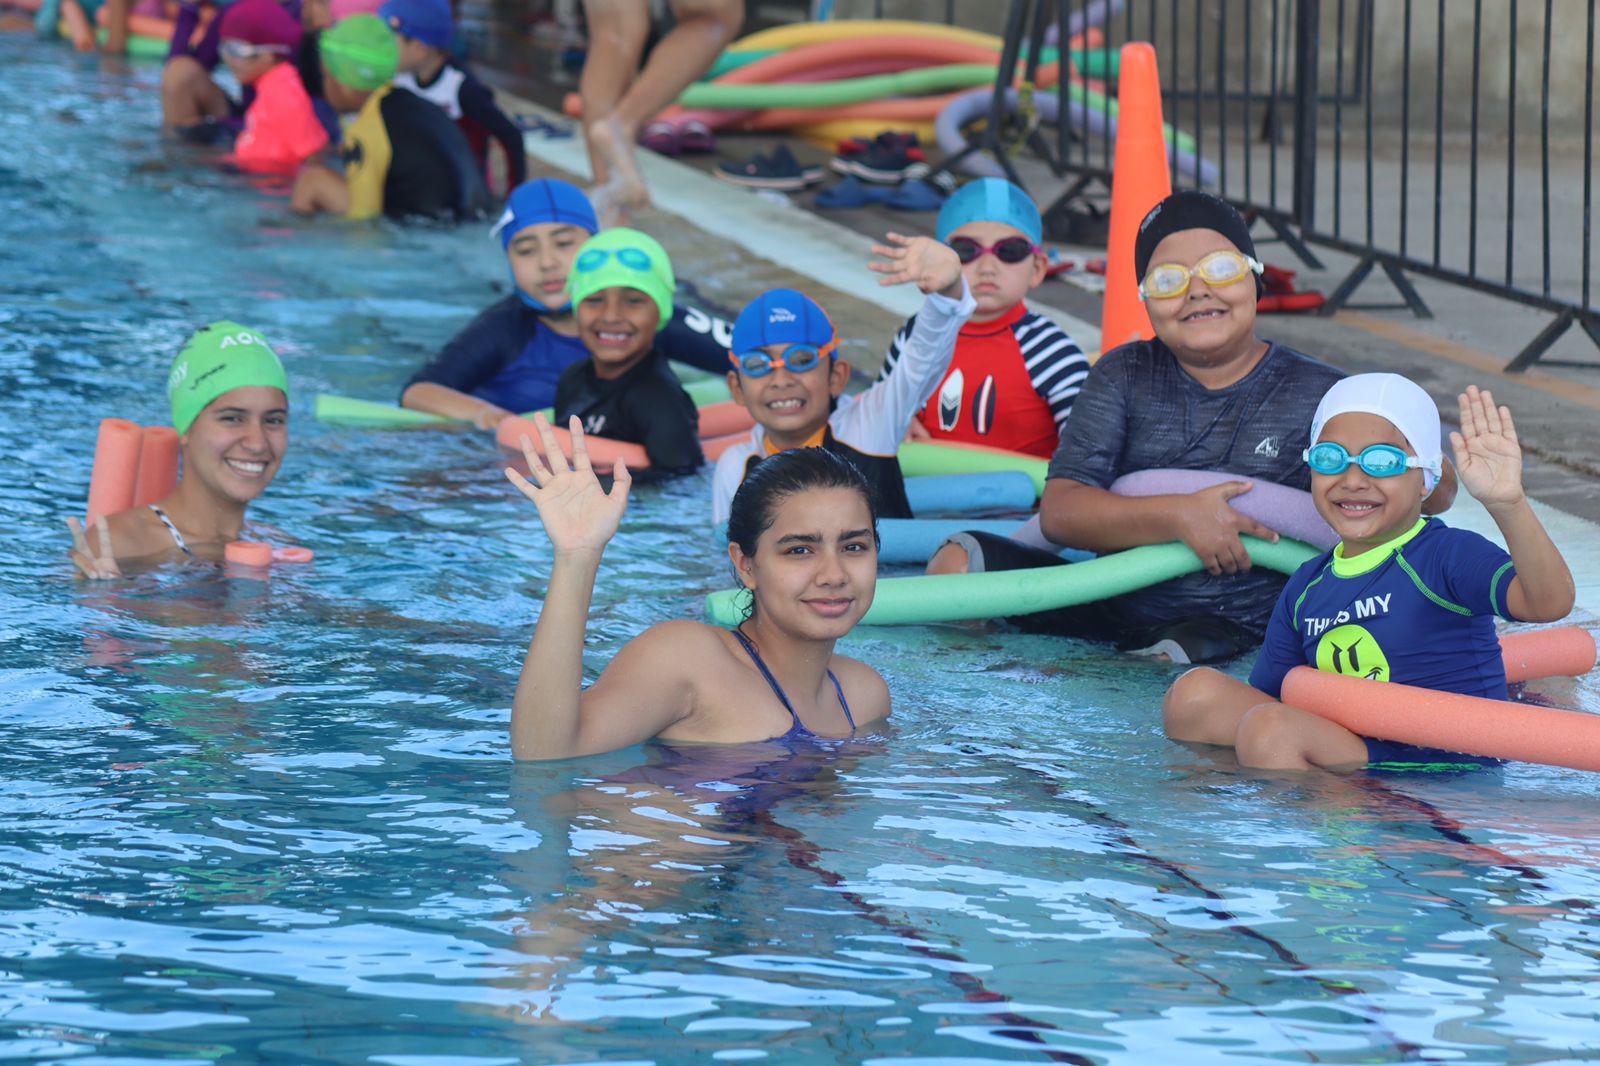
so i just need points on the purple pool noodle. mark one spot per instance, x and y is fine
(1280, 508)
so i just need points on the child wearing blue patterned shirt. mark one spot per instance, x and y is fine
(1400, 598)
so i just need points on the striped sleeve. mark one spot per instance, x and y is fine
(897, 347)
(1056, 365)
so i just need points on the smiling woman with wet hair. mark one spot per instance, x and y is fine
(230, 406)
(802, 539)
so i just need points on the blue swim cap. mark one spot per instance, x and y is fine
(990, 200)
(544, 200)
(782, 316)
(428, 21)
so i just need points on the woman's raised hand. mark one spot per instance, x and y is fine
(1488, 457)
(577, 514)
(929, 264)
(100, 562)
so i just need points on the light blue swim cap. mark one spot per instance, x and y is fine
(990, 200)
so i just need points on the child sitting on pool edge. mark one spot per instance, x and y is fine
(1402, 598)
(621, 286)
(281, 127)
(426, 29)
(507, 360)
(1015, 373)
(402, 156)
(230, 405)
(787, 373)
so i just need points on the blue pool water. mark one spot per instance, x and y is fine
(245, 821)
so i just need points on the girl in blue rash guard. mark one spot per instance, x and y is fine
(1401, 598)
(509, 358)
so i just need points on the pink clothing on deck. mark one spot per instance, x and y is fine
(281, 130)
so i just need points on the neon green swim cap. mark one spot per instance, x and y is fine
(626, 258)
(361, 51)
(220, 358)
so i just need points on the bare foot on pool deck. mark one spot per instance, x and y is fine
(624, 191)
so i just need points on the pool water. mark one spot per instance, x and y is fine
(250, 821)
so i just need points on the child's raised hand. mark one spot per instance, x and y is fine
(577, 514)
(928, 264)
(98, 563)
(1488, 457)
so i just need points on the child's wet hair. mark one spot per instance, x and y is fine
(776, 478)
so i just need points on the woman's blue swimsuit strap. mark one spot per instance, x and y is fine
(799, 728)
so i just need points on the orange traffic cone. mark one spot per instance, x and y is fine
(1140, 180)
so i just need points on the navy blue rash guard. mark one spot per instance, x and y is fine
(1419, 611)
(507, 356)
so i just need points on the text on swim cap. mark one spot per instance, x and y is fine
(781, 314)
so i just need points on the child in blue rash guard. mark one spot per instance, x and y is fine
(787, 373)
(1402, 598)
(621, 287)
(508, 359)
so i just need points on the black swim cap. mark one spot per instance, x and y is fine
(1189, 209)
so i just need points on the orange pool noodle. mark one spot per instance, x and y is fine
(292, 554)
(116, 468)
(1494, 728)
(715, 446)
(248, 553)
(721, 419)
(603, 451)
(1565, 652)
(158, 465)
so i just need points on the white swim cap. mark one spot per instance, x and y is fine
(1402, 401)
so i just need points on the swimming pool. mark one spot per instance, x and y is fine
(245, 821)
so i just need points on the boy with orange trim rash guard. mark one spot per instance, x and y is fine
(1015, 373)
(787, 373)
(281, 128)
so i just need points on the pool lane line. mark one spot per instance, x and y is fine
(1123, 835)
(805, 854)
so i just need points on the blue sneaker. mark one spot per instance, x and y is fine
(780, 171)
(915, 194)
(852, 192)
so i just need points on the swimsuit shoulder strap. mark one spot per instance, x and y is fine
(843, 703)
(772, 682)
(177, 538)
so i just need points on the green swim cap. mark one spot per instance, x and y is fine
(361, 51)
(626, 258)
(220, 358)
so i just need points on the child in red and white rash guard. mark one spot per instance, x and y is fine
(1015, 372)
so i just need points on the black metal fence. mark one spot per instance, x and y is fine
(1451, 139)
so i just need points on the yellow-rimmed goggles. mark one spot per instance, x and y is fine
(1165, 281)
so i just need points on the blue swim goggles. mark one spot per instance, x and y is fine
(797, 359)
(1375, 460)
(595, 258)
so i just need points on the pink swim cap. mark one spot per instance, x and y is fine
(343, 9)
(260, 22)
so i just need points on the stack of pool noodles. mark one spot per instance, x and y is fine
(829, 81)
(134, 466)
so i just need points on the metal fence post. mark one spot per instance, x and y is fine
(1307, 40)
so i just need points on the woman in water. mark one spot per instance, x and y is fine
(230, 405)
(803, 540)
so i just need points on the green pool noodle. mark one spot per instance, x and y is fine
(922, 459)
(369, 414)
(903, 601)
(732, 60)
(837, 93)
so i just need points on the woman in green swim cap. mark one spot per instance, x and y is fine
(230, 405)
